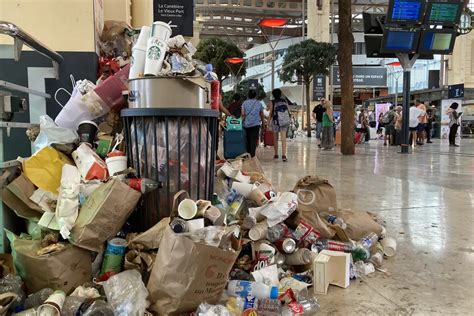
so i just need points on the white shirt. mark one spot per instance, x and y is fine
(414, 114)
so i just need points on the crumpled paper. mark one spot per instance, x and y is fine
(280, 209)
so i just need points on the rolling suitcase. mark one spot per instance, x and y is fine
(337, 140)
(268, 138)
(357, 138)
(235, 143)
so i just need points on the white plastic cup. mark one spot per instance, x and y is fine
(161, 30)
(195, 224)
(155, 54)
(53, 304)
(389, 245)
(212, 213)
(144, 35)
(187, 209)
(243, 188)
(259, 231)
(116, 164)
(138, 62)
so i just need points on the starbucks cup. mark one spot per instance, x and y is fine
(389, 245)
(53, 304)
(258, 197)
(155, 54)
(259, 231)
(87, 130)
(161, 31)
(138, 62)
(187, 209)
(145, 33)
(116, 164)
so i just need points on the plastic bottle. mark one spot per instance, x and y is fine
(38, 298)
(333, 219)
(143, 185)
(362, 249)
(210, 76)
(333, 245)
(253, 289)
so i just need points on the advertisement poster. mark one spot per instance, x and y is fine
(445, 104)
(178, 13)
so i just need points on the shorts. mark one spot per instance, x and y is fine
(277, 128)
(414, 129)
(389, 130)
(421, 127)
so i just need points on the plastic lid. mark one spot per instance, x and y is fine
(274, 293)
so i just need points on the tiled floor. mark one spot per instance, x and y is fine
(427, 199)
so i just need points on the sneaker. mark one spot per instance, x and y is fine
(275, 157)
(284, 158)
(456, 145)
(385, 144)
(429, 142)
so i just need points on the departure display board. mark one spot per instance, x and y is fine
(407, 11)
(437, 42)
(446, 13)
(400, 41)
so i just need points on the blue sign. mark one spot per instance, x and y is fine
(456, 91)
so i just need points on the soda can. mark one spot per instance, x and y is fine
(288, 245)
(280, 259)
(178, 225)
(114, 256)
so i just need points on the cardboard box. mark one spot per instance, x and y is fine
(331, 267)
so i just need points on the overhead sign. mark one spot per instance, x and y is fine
(319, 87)
(364, 76)
(456, 91)
(179, 13)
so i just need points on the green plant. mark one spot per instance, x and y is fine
(243, 90)
(305, 60)
(215, 51)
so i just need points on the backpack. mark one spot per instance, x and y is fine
(281, 115)
(387, 117)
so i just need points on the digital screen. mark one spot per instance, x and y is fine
(443, 12)
(437, 42)
(404, 10)
(400, 41)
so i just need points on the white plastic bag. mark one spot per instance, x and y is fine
(67, 208)
(50, 133)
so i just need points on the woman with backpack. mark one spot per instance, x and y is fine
(280, 120)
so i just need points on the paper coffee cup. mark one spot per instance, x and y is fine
(195, 224)
(145, 33)
(138, 62)
(243, 189)
(155, 54)
(389, 245)
(202, 206)
(161, 30)
(187, 209)
(87, 131)
(258, 197)
(116, 164)
(53, 304)
(212, 213)
(259, 231)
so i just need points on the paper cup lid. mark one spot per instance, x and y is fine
(88, 122)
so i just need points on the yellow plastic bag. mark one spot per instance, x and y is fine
(44, 168)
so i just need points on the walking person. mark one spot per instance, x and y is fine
(235, 107)
(415, 116)
(280, 120)
(429, 125)
(389, 119)
(327, 139)
(362, 125)
(453, 123)
(318, 116)
(252, 118)
(423, 121)
(398, 125)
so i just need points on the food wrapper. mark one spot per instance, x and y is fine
(89, 163)
(44, 168)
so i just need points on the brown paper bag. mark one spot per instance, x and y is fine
(187, 273)
(103, 214)
(359, 224)
(141, 261)
(17, 197)
(150, 239)
(6, 265)
(62, 270)
(316, 194)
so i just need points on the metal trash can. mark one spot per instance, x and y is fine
(175, 147)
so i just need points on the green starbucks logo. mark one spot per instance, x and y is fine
(154, 53)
